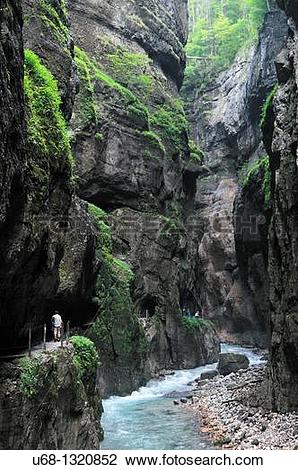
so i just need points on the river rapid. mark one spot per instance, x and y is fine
(147, 419)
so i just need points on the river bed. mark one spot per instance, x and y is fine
(147, 419)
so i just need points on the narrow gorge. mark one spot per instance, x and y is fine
(148, 165)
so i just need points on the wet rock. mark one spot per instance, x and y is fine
(201, 383)
(176, 402)
(231, 362)
(183, 400)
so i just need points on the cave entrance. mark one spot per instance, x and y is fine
(148, 307)
(188, 304)
(78, 311)
(190, 184)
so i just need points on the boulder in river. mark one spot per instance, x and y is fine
(232, 362)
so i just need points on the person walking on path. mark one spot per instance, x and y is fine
(57, 326)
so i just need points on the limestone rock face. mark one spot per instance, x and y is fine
(251, 220)
(69, 410)
(12, 156)
(133, 161)
(225, 122)
(46, 32)
(231, 362)
(283, 230)
(35, 219)
(118, 165)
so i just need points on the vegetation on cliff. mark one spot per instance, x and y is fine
(48, 138)
(194, 323)
(252, 170)
(128, 75)
(32, 375)
(85, 355)
(219, 30)
(55, 17)
(268, 105)
(89, 74)
(117, 332)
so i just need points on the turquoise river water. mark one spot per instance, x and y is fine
(147, 419)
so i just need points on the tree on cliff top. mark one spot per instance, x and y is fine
(219, 30)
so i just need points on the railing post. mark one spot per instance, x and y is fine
(67, 332)
(45, 336)
(30, 341)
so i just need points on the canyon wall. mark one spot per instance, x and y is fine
(95, 193)
(283, 228)
(232, 250)
(131, 149)
(36, 198)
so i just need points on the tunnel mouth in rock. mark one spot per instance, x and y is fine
(78, 311)
(148, 307)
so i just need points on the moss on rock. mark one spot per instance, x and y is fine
(249, 172)
(48, 139)
(117, 333)
(90, 73)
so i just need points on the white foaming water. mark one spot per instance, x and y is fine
(147, 420)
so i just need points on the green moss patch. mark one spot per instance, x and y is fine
(117, 332)
(170, 122)
(89, 113)
(90, 73)
(268, 105)
(131, 70)
(196, 154)
(165, 126)
(249, 172)
(154, 140)
(101, 220)
(194, 323)
(48, 138)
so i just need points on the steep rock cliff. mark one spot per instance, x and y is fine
(131, 150)
(32, 238)
(37, 216)
(119, 88)
(232, 254)
(283, 229)
(12, 156)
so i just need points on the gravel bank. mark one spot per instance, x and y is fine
(234, 412)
